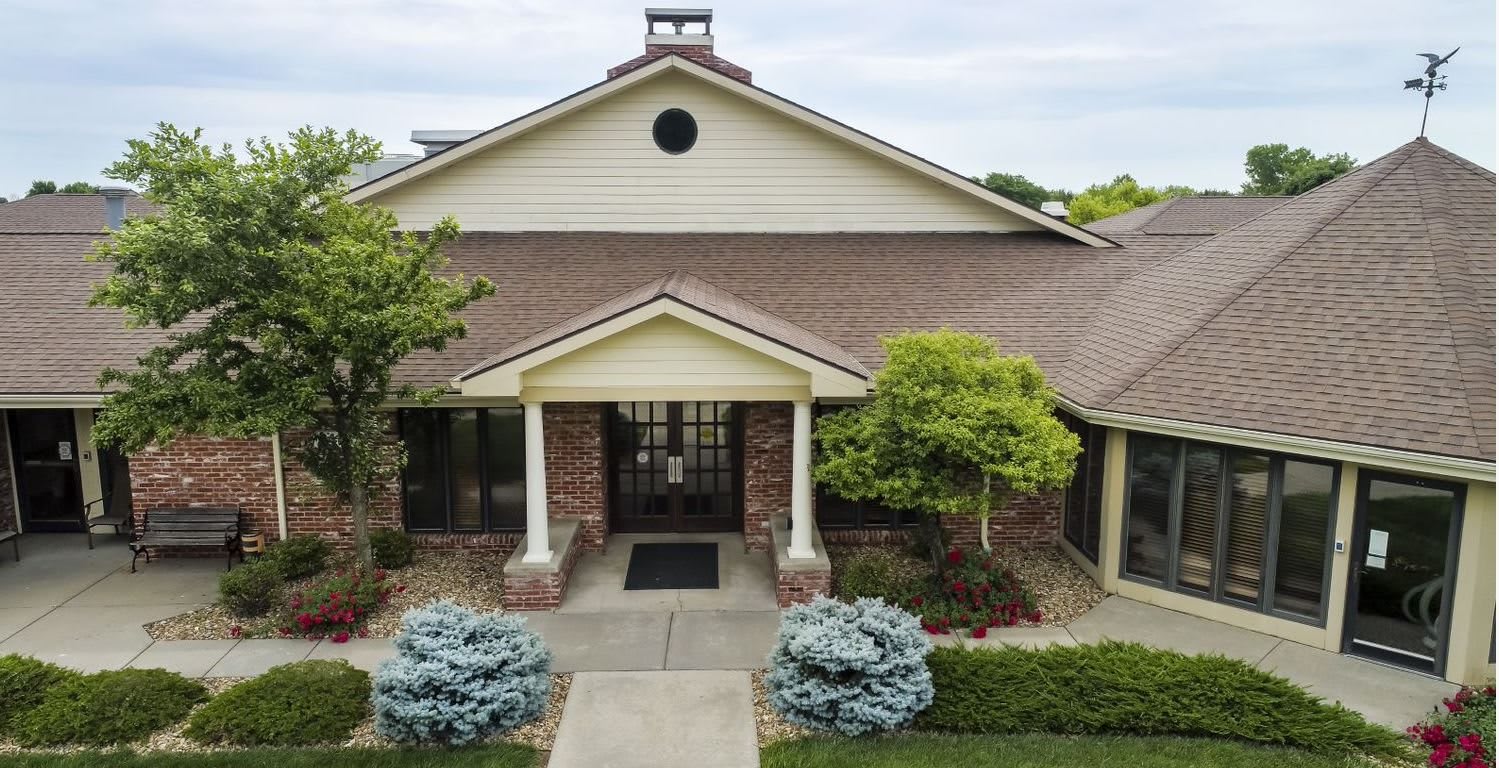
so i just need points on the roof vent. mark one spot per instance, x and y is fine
(114, 206)
(436, 141)
(1055, 209)
(695, 43)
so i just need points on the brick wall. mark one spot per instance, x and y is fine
(574, 437)
(310, 510)
(767, 469)
(797, 587)
(197, 471)
(1028, 521)
(9, 515)
(542, 591)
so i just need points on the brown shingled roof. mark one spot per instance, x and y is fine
(1362, 312)
(63, 213)
(1202, 215)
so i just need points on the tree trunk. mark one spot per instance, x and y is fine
(984, 518)
(931, 530)
(359, 507)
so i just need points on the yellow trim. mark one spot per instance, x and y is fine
(607, 394)
(1473, 593)
(10, 464)
(89, 480)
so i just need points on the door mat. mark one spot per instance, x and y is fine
(676, 565)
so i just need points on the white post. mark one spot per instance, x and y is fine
(801, 482)
(538, 549)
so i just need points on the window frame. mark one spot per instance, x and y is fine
(444, 454)
(1269, 540)
(1092, 517)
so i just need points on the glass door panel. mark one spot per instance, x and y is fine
(45, 448)
(1406, 544)
(673, 467)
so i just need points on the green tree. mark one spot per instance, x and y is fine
(1123, 194)
(80, 188)
(1022, 190)
(287, 306)
(1276, 169)
(41, 187)
(955, 428)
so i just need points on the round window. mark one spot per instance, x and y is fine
(675, 131)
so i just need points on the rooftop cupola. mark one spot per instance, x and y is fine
(689, 36)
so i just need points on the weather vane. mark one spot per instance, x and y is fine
(1432, 82)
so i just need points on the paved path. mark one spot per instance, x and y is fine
(66, 604)
(667, 719)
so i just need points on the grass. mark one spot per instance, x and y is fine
(497, 756)
(1038, 751)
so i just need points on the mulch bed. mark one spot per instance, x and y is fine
(539, 733)
(470, 579)
(1063, 590)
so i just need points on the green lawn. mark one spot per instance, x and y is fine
(499, 756)
(932, 751)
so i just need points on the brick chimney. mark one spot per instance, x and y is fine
(697, 46)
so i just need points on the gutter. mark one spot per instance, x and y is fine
(1409, 461)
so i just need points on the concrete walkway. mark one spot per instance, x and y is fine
(66, 604)
(672, 719)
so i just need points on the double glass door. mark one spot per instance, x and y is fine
(674, 467)
(1405, 558)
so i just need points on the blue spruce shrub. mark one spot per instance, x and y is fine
(849, 668)
(459, 676)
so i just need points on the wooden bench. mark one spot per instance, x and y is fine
(188, 527)
(15, 542)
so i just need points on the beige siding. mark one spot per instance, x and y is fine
(664, 352)
(752, 170)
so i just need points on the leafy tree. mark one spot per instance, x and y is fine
(1022, 190)
(80, 188)
(45, 187)
(287, 306)
(955, 428)
(1276, 169)
(1101, 201)
(41, 187)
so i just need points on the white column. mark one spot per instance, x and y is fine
(801, 482)
(538, 549)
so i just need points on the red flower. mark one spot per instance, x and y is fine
(985, 588)
(379, 574)
(296, 602)
(987, 564)
(400, 587)
(959, 586)
(1011, 620)
(945, 621)
(963, 619)
(1453, 705)
(235, 631)
(955, 556)
(285, 631)
(917, 601)
(1489, 691)
(930, 630)
(1471, 743)
(1034, 617)
(1434, 735)
(980, 633)
(305, 620)
(1440, 754)
(341, 637)
(363, 632)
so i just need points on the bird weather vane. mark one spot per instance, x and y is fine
(1432, 82)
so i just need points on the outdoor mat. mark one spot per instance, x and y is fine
(678, 565)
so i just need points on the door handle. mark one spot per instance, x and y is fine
(673, 469)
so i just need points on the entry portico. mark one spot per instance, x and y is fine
(676, 339)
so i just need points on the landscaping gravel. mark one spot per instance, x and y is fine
(471, 579)
(770, 727)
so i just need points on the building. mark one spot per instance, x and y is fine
(1287, 405)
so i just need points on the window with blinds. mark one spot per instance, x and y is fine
(1237, 526)
(465, 469)
(836, 512)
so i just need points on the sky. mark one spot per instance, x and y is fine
(1066, 93)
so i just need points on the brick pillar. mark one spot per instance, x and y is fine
(767, 470)
(574, 435)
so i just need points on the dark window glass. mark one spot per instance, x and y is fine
(505, 463)
(426, 486)
(1300, 560)
(1083, 509)
(465, 469)
(1248, 513)
(1152, 473)
(675, 131)
(1198, 540)
(834, 511)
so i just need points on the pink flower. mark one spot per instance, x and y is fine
(1440, 754)
(959, 586)
(380, 574)
(235, 631)
(955, 556)
(363, 632)
(980, 633)
(1453, 705)
(1434, 735)
(296, 602)
(1471, 743)
(341, 637)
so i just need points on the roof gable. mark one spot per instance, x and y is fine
(761, 163)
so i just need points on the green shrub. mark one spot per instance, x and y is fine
(104, 708)
(1460, 731)
(298, 557)
(1128, 688)
(392, 548)
(880, 572)
(308, 702)
(251, 589)
(24, 681)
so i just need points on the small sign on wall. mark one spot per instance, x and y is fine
(1379, 545)
(64, 451)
